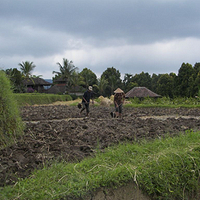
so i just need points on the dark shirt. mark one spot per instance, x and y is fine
(87, 95)
(119, 98)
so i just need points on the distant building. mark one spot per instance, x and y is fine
(141, 92)
(60, 88)
(37, 84)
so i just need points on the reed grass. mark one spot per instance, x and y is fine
(11, 125)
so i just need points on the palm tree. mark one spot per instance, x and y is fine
(66, 71)
(113, 82)
(102, 84)
(26, 68)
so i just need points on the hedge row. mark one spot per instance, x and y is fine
(36, 98)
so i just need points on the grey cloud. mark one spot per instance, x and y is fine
(82, 31)
(138, 21)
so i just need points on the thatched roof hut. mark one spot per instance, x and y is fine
(57, 89)
(141, 92)
(36, 83)
(61, 89)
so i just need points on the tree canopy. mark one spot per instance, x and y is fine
(113, 77)
(185, 84)
(89, 77)
(27, 68)
(67, 72)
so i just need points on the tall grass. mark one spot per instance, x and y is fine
(11, 124)
(164, 169)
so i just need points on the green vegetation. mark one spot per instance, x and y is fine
(11, 124)
(183, 84)
(164, 102)
(164, 169)
(39, 98)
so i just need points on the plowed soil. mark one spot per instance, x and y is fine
(58, 132)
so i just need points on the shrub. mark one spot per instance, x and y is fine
(11, 124)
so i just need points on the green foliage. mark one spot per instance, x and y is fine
(142, 79)
(165, 85)
(184, 77)
(164, 102)
(16, 79)
(112, 76)
(164, 169)
(185, 84)
(11, 124)
(26, 68)
(173, 172)
(67, 73)
(89, 77)
(102, 85)
(39, 98)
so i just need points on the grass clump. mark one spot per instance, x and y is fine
(164, 169)
(11, 124)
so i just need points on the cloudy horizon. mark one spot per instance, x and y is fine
(132, 36)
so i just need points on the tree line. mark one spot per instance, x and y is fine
(185, 84)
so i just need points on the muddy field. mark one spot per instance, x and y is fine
(58, 132)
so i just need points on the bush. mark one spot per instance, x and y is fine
(11, 124)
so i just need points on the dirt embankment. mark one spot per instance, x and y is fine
(58, 132)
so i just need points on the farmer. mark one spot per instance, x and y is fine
(119, 98)
(86, 100)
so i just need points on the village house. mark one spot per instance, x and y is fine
(36, 84)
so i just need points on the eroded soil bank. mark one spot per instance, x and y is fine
(58, 132)
(130, 191)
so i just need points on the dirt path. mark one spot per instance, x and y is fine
(58, 132)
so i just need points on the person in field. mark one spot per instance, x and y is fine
(86, 100)
(119, 98)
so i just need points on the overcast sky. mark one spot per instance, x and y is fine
(133, 36)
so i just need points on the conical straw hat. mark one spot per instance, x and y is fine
(118, 90)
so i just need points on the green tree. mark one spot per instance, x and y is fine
(190, 92)
(130, 86)
(16, 79)
(76, 80)
(11, 124)
(114, 81)
(165, 85)
(182, 84)
(142, 79)
(127, 84)
(89, 77)
(196, 86)
(66, 72)
(154, 82)
(26, 68)
(101, 85)
(197, 68)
